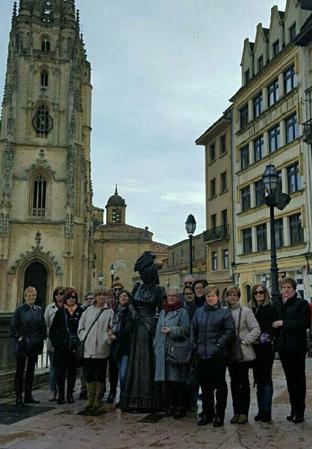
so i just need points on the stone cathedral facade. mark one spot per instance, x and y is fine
(46, 213)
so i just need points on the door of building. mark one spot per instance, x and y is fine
(36, 276)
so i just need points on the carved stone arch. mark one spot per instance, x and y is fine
(46, 284)
(36, 254)
(39, 191)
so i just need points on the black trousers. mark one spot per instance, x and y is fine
(29, 377)
(240, 387)
(176, 394)
(112, 374)
(95, 370)
(211, 375)
(61, 372)
(294, 369)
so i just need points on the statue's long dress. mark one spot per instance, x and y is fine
(140, 392)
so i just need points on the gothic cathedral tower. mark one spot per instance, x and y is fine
(46, 235)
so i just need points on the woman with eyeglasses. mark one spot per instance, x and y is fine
(265, 315)
(63, 335)
(49, 314)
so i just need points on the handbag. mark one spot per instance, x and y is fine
(179, 351)
(79, 349)
(236, 352)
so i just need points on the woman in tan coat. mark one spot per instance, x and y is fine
(248, 331)
(94, 326)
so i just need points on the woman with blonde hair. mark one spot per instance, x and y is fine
(243, 354)
(265, 314)
(28, 329)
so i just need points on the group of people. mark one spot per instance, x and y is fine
(164, 346)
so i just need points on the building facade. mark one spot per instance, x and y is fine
(267, 128)
(46, 215)
(217, 141)
(118, 245)
(177, 264)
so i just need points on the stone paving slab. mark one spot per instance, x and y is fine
(62, 428)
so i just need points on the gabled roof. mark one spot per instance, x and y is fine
(305, 35)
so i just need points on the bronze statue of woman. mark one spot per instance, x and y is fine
(140, 392)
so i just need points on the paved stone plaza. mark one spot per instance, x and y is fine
(61, 428)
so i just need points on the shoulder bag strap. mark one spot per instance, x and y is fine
(97, 317)
(66, 322)
(239, 321)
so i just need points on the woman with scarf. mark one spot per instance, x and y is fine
(173, 329)
(63, 335)
(265, 314)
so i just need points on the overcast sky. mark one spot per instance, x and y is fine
(162, 73)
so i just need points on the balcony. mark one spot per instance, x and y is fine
(307, 132)
(217, 233)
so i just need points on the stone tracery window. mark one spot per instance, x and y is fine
(44, 78)
(45, 45)
(39, 196)
(42, 121)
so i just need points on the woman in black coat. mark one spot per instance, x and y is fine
(28, 329)
(293, 320)
(63, 335)
(265, 315)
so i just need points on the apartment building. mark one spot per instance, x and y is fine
(267, 128)
(218, 174)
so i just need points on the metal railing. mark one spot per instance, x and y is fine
(217, 233)
(307, 131)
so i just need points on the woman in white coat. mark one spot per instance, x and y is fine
(94, 327)
(247, 331)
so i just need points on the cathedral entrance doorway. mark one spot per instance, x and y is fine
(36, 275)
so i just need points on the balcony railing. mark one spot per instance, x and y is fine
(307, 132)
(217, 233)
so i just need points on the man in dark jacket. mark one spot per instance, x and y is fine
(28, 328)
(213, 330)
(291, 343)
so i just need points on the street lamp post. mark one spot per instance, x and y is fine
(190, 226)
(274, 198)
(112, 270)
(100, 278)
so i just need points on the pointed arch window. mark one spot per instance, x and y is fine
(39, 196)
(44, 79)
(45, 45)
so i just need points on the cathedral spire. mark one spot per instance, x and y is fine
(116, 191)
(14, 13)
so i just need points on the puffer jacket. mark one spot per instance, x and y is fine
(249, 330)
(291, 338)
(212, 331)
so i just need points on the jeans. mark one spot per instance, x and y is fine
(52, 372)
(122, 366)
